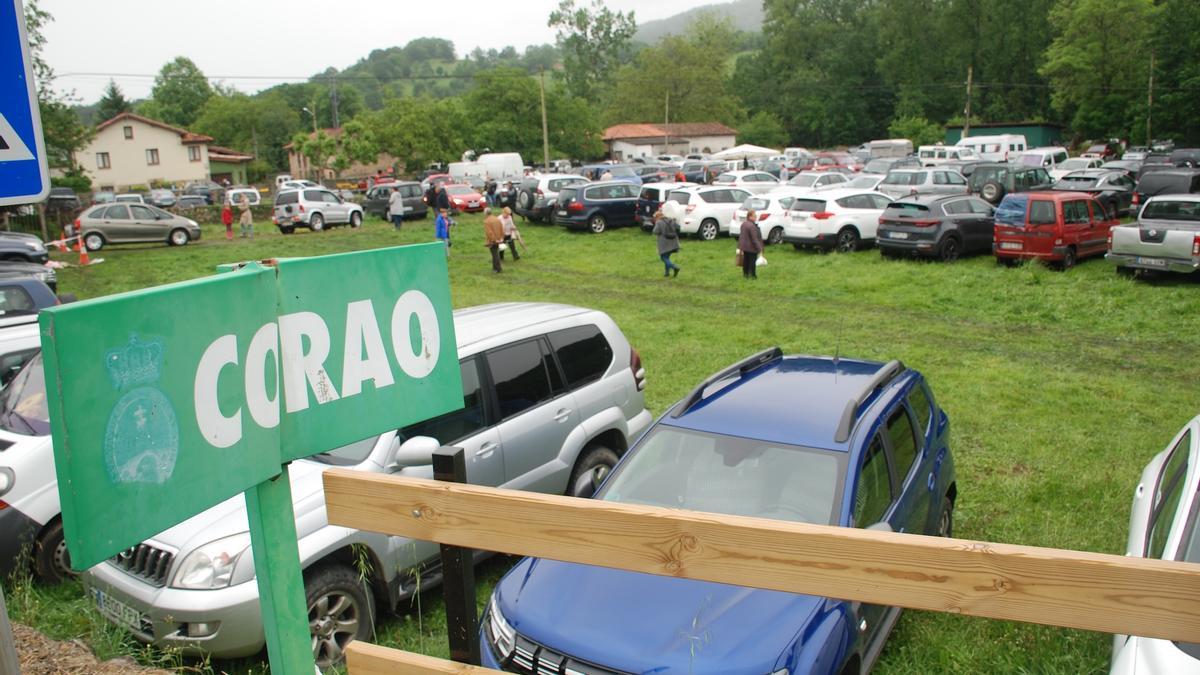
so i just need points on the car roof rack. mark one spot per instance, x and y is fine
(740, 368)
(850, 414)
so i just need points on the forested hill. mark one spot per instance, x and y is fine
(744, 15)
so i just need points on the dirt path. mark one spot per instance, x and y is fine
(42, 656)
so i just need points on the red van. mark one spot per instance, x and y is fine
(1060, 227)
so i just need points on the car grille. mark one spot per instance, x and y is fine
(145, 562)
(530, 658)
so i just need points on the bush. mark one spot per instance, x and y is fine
(78, 182)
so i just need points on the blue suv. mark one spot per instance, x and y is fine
(808, 439)
(596, 206)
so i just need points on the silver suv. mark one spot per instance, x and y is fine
(537, 194)
(552, 398)
(314, 208)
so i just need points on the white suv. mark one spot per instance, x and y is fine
(841, 219)
(314, 208)
(552, 397)
(706, 208)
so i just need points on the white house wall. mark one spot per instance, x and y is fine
(127, 157)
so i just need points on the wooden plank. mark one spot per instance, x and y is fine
(1092, 591)
(367, 659)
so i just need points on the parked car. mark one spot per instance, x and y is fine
(882, 165)
(702, 172)
(1166, 182)
(23, 296)
(835, 219)
(1163, 525)
(994, 148)
(234, 196)
(1186, 157)
(129, 198)
(63, 200)
(771, 210)
(654, 173)
(190, 202)
(1075, 164)
(596, 206)
(618, 172)
(1101, 151)
(1114, 189)
(1048, 158)
(18, 246)
(993, 181)
(1135, 153)
(314, 208)
(1166, 237)
(707, 208)
(650, 199)
(552, 397)
(937, 180)
(1060, 227)
(817, 440)
(537, 194)
(20, 269)
(964, 166)
(756, 182)
(863, 181)
(1129, 166)
(212, 192)
(465, 198)
(122, 223)
(162, 198)
(944, 227)
(376, 201)
(933, 155)
(103, 197)
(816, 180)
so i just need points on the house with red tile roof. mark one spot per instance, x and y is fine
(626, 142)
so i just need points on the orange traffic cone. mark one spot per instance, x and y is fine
(83, 257)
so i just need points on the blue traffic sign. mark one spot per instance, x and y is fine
(24, 177)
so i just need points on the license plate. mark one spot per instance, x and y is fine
(474, 204)
(1151, 262)
(562, 213)
(117, 611)
(1011, 245)
(898, 235)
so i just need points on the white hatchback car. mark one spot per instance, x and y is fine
(817, 180)
(706, 207)
(758, 182)
(772, 211)
(841, 219)
(1163, 524)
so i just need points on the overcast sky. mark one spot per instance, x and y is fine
(253, 44)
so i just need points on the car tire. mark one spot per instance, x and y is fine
(286, 229)
(178, 237)
(709, 229)
(1070, 257)
(356, 220)
(597, 224)
(775, 236)
(94, 241)
(945, 526)
(317, 222)
(340, 609)
(992, 192)
(950, 249)
(525, 200)
(51, 560)
(847, 240)
(592, 467)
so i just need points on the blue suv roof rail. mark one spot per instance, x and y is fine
(740, 368)
(884, 375)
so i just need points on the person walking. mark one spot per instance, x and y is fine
(510, 233)
(227, 220)
(443, 198)
(441, 228)
(679, 176)
(431, 197)
(750, 243)
(668, 242)
(489, 190)
(493, 236)
(396, 208)
(246, 220)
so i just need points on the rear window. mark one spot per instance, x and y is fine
(583, 353)
(567, 195)
(756, 204)
(726, 178)
(1011, 211)
(287, 197)
(809, 205)
(1172, 210)
(557, 184)
(905, 178)
(906, 210)
(680, 196)
(1076, 182)
(1165, 183)
(804, 180)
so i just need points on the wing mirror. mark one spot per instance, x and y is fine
(416, 451)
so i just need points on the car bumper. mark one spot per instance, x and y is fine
(1143, 262)
(1055, 254)
(195, 234)
(824, 241)
(233, 614)
(906, 247)
(17, 531)
(571, 222)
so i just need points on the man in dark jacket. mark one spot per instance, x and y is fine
(443, 199)
(431, 197)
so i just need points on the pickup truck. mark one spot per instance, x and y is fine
(1166, 237)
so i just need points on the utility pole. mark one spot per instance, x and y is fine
(666, 121)
(545, 128)
(1150, 101)
(333, 97)
(967, 123)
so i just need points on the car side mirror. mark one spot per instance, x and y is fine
(416, 451)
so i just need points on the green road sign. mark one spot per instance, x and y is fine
(166, 401)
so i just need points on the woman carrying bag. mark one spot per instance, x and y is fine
(668, 242)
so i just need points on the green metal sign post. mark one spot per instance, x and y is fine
(166, 401)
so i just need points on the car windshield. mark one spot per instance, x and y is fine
(1172, 210)
(878, 165)
(347, 455)
(863, 182)
(733, 475)
(23, 405)
(904, 178)
(1011, 211)
(1073, 164)
(621, 171)
(804, 180)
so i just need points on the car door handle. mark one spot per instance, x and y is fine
(486, 450)
(562, 415)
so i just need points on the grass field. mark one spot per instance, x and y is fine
(1059, 385)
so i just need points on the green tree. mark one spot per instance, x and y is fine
(594, 41)
(180, 90)
(763, 128)
(62, 130)
(260, 125)
(1176, 112)
(356, 144)
(112, 103)
(319, 148)
(418, 131)
(916, 129)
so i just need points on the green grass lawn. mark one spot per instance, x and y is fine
(1059, 385)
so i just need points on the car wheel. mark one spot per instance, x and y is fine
(945, 526)
(847, 240)
(992, 192)
(94, 241)
(950, 249)
(597, 223)
(340, 610)
(775, 236)
(178, 237)
(287, 229)
(51, 560)
(317, 222)
(526, 200)
(356, 219)
(591, 469)
(709, 230)
(1069, 258)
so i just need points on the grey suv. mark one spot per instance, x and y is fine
(314, 208)
(552, 397)
(376, 202)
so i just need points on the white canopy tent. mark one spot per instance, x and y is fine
(746, 151)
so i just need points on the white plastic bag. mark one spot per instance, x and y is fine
(503, 247)
(762, 260)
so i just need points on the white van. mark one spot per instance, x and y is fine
(796, 153)
(890, 147)
(933, 155)
(997, 148)
(1048, 158)
(502, 166)
(281, 179)
(460, 170)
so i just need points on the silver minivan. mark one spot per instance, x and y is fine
(314, 208)
(552, 397)
(929, 181)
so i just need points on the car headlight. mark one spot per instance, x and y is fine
(217, 564)
(500, 634)
(34, 245)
